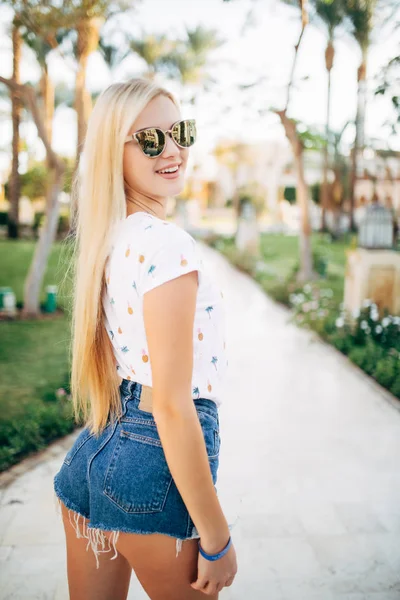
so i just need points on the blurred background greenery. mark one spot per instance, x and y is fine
(298, 112)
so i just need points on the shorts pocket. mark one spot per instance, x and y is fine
(138, 477)
(82, 438)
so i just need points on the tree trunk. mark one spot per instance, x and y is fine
(33, 282)
(80, 103)
(359, 137)
(48, 97)
(88, 39)
(38, 265)
(306, 272)
(329, 55)
(13, 213)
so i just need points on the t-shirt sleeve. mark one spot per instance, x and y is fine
(166, 257)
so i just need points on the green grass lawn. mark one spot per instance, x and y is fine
(16, 257)
(280, 255)
(33, 359)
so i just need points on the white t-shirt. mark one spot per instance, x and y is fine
(146, 252)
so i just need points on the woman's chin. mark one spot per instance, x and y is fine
(171, 188)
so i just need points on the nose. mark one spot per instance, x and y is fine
(171, 149)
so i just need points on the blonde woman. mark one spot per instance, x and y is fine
(148, 363)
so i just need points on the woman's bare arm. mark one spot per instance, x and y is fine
(169, 311)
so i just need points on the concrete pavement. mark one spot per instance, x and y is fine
(309, 469)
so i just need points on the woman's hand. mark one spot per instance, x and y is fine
(212, 576)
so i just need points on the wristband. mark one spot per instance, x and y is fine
(219, 554)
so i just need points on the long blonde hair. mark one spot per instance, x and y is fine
(98, 202)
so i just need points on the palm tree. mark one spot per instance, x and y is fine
(154, 50)
(112, 55)
(332, 14)
(42, 49)
(185, 59)
(16, 107)
(83, 21)
(88, 32)
(306, 271)
(189, 60)
(47, 234)
(361, 15)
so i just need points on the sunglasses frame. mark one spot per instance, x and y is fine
(132, 136)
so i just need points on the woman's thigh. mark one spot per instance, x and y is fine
(85, 580)
(163, 575)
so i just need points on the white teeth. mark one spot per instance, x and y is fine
(171, 170)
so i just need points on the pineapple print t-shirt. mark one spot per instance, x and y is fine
(146, 252)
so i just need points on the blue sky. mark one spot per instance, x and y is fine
(265, 49)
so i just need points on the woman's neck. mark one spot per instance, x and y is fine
(139, 202)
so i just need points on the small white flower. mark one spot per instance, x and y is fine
(364, 325)
(375, 316)
(339, 322)
(396, 320)
(356, 313)
(301, 297)
(378, 329)
(385, 321)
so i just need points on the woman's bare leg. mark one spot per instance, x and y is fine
(163, 575)
(85, 581)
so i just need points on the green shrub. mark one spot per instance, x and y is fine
(395, 387)
(42, 423)
(386, 370)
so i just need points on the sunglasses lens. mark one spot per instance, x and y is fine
(184, 133)
(151, 141)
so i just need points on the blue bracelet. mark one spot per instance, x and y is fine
(215, 556)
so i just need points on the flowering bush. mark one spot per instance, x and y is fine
(366, 323)
(315, 307)
(372, 342)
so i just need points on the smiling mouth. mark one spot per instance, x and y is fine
(168, 172)
(170, 175)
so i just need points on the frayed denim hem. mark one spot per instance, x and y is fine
(95, 536)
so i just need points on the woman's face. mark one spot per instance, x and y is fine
(140, 172)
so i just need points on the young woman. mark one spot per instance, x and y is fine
(148, 363)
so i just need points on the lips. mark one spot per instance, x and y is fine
(171, 166)
(173, 175)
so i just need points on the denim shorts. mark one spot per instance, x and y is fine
(120, 480)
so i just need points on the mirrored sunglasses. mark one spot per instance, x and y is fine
(152, 140)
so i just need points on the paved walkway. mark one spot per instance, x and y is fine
(310, 461)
